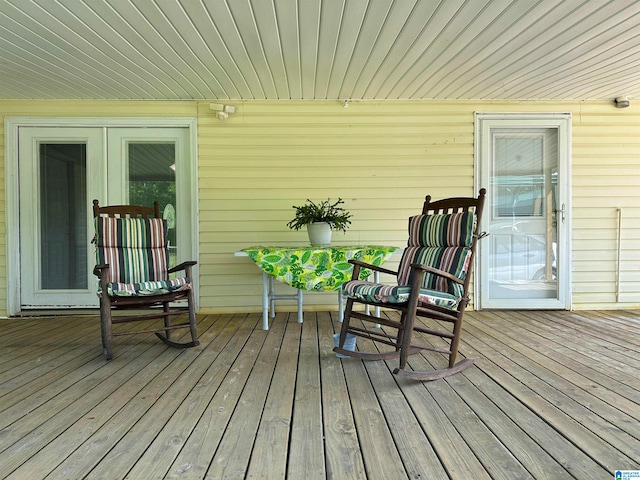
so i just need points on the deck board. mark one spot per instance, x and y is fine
(380, 455)
(232, 456)
(306, 448)
(533, 393)
(195, 432)
(558, 395)
(344, 457)
(552, 395)
(269, 453)
(416, 452)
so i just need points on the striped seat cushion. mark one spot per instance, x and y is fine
(148, 288)
(441, 230)
(442, 241)
(379, 293)
(136, 250)
(454, 260)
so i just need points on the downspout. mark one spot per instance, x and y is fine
(618, 255)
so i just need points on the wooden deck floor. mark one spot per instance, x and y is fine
(552, 395)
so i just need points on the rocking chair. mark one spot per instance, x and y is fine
(432, 282)
(132, 252)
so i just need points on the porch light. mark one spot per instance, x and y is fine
(222, 110)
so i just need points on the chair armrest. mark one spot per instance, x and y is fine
(182, 266)
(102, 272)
(436, 271)
(98, 269)
(369, 266)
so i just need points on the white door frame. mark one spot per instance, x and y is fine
(12, 182)
(30, 222)
(562, 122)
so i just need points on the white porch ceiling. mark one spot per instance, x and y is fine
(319, 49)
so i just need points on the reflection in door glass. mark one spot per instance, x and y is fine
(63, 224)
(152, 177)
(519, 177)
(523, 241)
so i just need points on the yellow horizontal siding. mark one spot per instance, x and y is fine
(606, 177)
(381, 158)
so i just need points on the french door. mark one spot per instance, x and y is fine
(524, 165)
(61, 171)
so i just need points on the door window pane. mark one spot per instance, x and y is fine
(63, 224)
(523, 241)
(152, 177)
(519, 177)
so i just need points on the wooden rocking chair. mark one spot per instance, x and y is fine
(432, 282)
(132, 253)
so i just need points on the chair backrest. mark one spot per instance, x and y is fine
(132, 243)
(123, 211)
(455, 204)
(444, 237)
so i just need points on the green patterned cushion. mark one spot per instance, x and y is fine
(379, 293)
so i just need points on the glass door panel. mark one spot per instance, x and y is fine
(59, 170)
(148, 164)
(63, 219)
(523, 162)
(152, 177)
(522, 244)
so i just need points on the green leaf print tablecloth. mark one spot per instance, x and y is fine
(316, 268)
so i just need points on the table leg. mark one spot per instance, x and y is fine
(376, 279)
(376, 310)
(265, 301)
(340, 306)
(269, 298)
(272, 297)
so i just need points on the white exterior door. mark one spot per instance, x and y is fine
(61, 171)
(524, 165)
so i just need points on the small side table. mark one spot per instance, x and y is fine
(310, 268)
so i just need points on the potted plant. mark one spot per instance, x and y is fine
(320, 219)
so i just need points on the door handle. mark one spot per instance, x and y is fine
(562, 211)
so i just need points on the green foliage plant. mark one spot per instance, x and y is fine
(325, 211)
